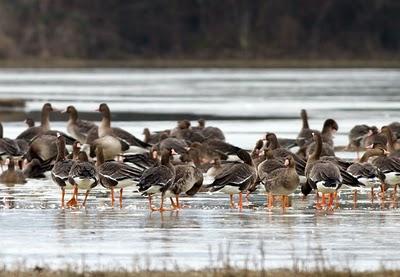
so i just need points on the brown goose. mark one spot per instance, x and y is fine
(322, 176)
(76, 127)
(158, 179)
(365, 172)
(183, 131)
(280, 181)
(153, 138)
(30, 122)
(37, 169)
(279, 152)
(188, 179)
(83, 175)
(179, 145)
(305, 135)
(390, 167)
(15, 148)
(12, 176)
(210, 132)
(61, 169)
(32, 132)
(142, 161)
(328, 130)
(256, 153)
(235, 179)
(375, 137)
(392, 144)
(42, 147)
(357, 136)
(395, 128)
(115, 175)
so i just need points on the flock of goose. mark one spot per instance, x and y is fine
(189, 159)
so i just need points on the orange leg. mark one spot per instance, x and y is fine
(232, 203)
(62, 197)
(151, 205)
(240, 205)
(283, 200)
(172, 203)
(270, 201)
(74, 200)
(395, 191)
(162, 209)
(372, 195)
(323, 203)
(86, 196)
(318, 205)
(330, 204)
(177, 202)
(112, 197)
(355, 199)
(383, 188)
(120, 197)
(335, 195)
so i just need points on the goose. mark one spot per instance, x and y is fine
(43, 148)
(83, 175)
(375, 137)
(279, 178)
(29, 122)
(115, 175)
(235, 179)
(158, 179)
(15, 148)
(114, 140)
(279, 152)
(179, 145)
(392, 144)
(367, 173)
(322, 176)
(256, 153)
(36, 169)
(155, 137)
(12, 176)
(61, 169)
(142, 161)
(395, 128)
(183, 131)
(390, 167)
(329, 128)
(357, 136)
(32, 132)
(76, 127)
(210, 132)
(305, 135)
(188, 180)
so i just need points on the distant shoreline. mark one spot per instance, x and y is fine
(201, 63)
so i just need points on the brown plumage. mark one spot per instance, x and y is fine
(76, 127)
(12, 176)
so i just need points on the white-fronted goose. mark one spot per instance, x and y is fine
(29, 122)
(210, 132)
(61, 169)
(395, 128)
(375, 137)
(32, 132)
(281, 181)
(36, 168)
(15, 148)
(179, 145)
(153, 138)
(256, 155)
(392, 144)
(188, 179)
(42, 147)
(158, 179)
(305, 135)
(142, 161)
(115, 175)
(83, 175)
(235, 179)
(183, 131)
(357, 136)
(322, 176)
(76, 127)
(367, 173)
(390, 167)
(279, 152)
(12, 176)
(106, 129)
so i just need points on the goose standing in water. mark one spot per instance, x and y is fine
(188, 179)
(367, 173)
(61, 169)
(12, 176)
(76, 127)
(392, 144)
(158, 179)
(235, 179)
(322, 176)
(83, 175)
(278, 176)
(115, 175)
(357, 137)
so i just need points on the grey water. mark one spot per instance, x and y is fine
(245, 104)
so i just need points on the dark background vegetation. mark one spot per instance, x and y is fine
(199, 29)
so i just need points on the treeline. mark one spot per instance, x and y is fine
(199, 29)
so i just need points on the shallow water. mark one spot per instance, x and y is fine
(36, 231)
